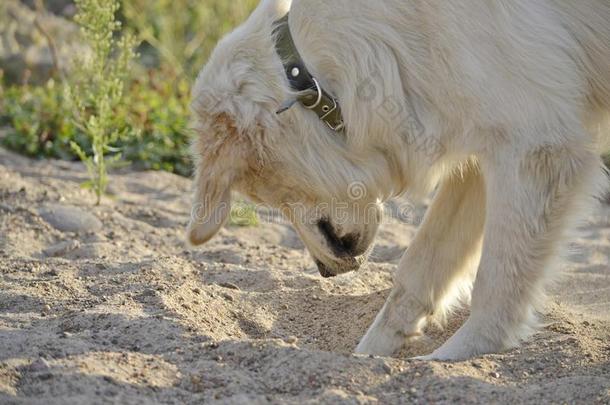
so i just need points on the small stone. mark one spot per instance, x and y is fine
(46, 309)
(291, 340)
(45, 376)
(228, 297)
(387, 368)
(61, 248)
(66, 218)
(230, 286)
(40, 365)
(495, 374)
(6, 207)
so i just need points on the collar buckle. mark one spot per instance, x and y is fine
(336, 124)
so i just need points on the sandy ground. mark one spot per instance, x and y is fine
(123, 313)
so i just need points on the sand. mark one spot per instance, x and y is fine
(107, 305)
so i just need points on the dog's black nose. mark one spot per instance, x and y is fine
(344, 246)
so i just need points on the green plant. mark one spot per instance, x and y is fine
(158, 109)
(37, 122)
(96, 87)
(243, 214)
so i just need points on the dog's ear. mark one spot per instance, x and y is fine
(210, 212)
(219, 151)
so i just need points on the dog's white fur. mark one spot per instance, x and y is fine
(515, 96)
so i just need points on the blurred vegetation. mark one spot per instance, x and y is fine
(243, 214)
(180, 34)
(39, 123)
(176, 39)
(37, 120)
(95, 88)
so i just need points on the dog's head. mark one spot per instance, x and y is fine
(292, 161)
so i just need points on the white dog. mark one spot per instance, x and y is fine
(501, 104)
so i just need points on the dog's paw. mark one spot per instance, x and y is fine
(380, 342)
(443, 355)
(466, 343)
(446, 354)
(382, 348)
(422, 358)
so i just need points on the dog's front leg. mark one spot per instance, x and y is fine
(441, 259)
(530, 199)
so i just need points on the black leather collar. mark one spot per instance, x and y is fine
(310, 94)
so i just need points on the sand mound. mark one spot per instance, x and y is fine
(125, 313)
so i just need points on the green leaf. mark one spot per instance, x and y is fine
(88, 185)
